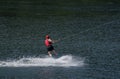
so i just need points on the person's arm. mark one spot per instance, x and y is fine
(51, 41)
(57, 40)
(54, 41)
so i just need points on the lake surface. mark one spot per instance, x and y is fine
(89, 47)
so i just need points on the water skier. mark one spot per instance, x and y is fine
(48, 44)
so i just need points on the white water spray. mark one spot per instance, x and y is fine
(64, 61)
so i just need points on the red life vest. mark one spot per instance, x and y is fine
(48, 43)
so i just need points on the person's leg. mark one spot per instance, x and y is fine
(54, 52)
(49, 53)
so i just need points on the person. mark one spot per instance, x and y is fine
(48, 44)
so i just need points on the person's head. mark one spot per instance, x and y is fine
(47, 37)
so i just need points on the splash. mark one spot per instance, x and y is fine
(64, 61)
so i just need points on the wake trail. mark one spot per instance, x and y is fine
(63, 61)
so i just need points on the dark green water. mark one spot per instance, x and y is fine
(91, 32)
